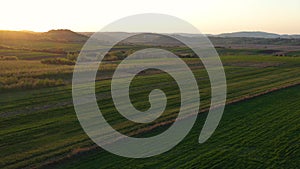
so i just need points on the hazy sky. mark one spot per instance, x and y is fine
(209, 16)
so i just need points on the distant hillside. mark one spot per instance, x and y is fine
(245, 34)
(226, 39)
(107, 36)
(62, 35)
(229, 39)
(257, 35)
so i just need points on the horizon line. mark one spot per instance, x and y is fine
(242, 31)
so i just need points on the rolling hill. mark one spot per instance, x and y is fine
(60, 35)
(257, 34)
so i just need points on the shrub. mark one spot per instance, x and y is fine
(58, 61)
(110, 57)
(29, 83)
(9, 58)
(72, 56)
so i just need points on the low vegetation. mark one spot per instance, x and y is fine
(58, 61)
(46, 129)
(258, 133)
(39, 127)
(9, 58)
(32, 74)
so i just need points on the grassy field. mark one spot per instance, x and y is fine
(39, 126)
(258, 133)
(42, 45)
(22, 74)
(27, 55)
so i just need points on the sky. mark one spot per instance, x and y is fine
(209, 16)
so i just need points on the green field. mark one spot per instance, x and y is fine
(28, 55)
(39, 126)
(258, 133)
